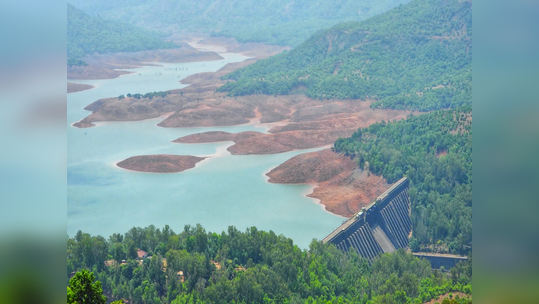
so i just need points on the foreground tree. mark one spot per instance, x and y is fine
(83, 290)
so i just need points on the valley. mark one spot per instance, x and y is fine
(288, 123)
(258, 131)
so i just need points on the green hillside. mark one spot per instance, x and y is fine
(415, 56)
(88, 35)
(282, 22)
(434, 151)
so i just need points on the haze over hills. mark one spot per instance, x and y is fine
(416, 56)
(282, 22)
(353, 85)
(88, 35)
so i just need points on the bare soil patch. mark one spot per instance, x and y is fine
(340, 185)
(446, 296)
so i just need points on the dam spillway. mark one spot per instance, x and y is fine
(383, 226)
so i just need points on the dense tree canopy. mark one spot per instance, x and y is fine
(415, 56)
(87, 35)
(84, 290)
(434, 151)
(254, 266)
(283, 22)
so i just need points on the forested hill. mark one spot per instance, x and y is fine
(197, 267)
(283, 22)
(415, 56)
(88, 35)
(434, 151)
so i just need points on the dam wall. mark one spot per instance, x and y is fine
(383, 226)
(437, 261)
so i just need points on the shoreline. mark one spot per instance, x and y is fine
(300, 123)
(319, 201)
(310, 190)
(99, 123)
(221, 151)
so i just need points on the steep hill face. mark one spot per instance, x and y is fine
(282, 22)
(415, 56)
(88, 35)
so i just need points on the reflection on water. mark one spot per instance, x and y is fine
(220, 191)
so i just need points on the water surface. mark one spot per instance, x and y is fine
(221, 191)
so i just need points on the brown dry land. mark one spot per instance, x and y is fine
(294, 122)
(77, 87)
(446, 296)
(297, 122)
(160, 163)
(107, 66)
(340, 185)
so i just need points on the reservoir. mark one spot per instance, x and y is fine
(223, 190)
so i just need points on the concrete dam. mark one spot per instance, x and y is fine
(383, 226)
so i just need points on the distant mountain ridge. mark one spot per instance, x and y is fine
(282, 22)
(416, 56)
(88, 35)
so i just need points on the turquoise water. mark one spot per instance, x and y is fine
(220, 191)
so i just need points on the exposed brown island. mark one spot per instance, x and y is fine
(77, 87)
(295, 122)
(256, 143)
(160, 163)
(340, 185)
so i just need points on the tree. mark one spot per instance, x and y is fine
(83, 290)
(70, 296)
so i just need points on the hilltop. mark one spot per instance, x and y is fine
(87, 35)
(415, 56)
(281, 22)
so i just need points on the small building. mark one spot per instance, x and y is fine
(180, 276)
(142, 254)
